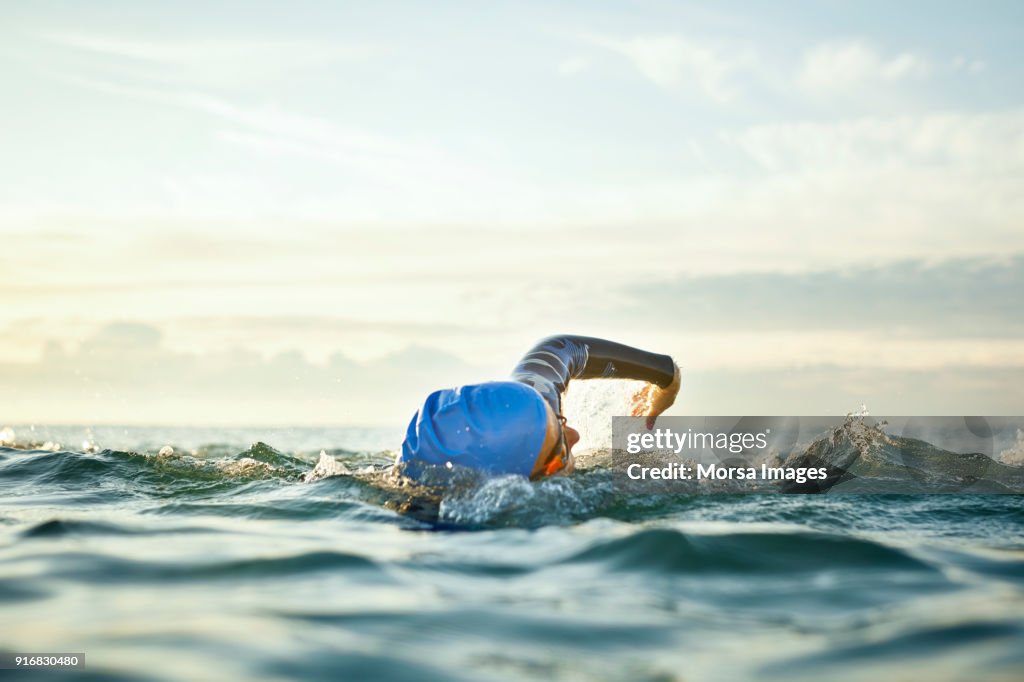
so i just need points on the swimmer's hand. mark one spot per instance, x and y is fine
(652, 400)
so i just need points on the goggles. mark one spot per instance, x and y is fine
(560, 460)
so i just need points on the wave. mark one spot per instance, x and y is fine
(861, 457)
(665, 550)
(95, 568)
(218, 478)
(168, 466)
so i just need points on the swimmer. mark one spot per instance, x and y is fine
(516, 427)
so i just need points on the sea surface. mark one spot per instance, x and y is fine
(280, 554)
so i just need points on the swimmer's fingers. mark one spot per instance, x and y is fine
(660, 399)
(659, 403)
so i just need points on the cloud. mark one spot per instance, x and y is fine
(985, 142)
(718, 69)
(228, 61)
(370, 177)
(277, 130)
(849, 64)
(835, 390)
(206, 76)
(675, 62)
(971, 66)
(122, 337)
(901, 316)
(123, 373)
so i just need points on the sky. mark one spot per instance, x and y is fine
(316, 212)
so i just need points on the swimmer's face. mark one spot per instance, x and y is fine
(555, 456)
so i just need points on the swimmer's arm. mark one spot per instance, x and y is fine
(607, 359)
(550, 365)
(611, 360)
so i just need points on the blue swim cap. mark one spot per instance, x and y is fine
(496, 428)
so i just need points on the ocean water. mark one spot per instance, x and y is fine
(279, 554)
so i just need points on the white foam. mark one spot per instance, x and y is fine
(1014, 455)
(326, 467)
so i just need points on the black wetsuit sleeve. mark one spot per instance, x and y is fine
(550, 365)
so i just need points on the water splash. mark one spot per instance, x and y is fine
(1014, 455)
(89, 444)
(513, 501)
(587, 404)
(326, 467)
